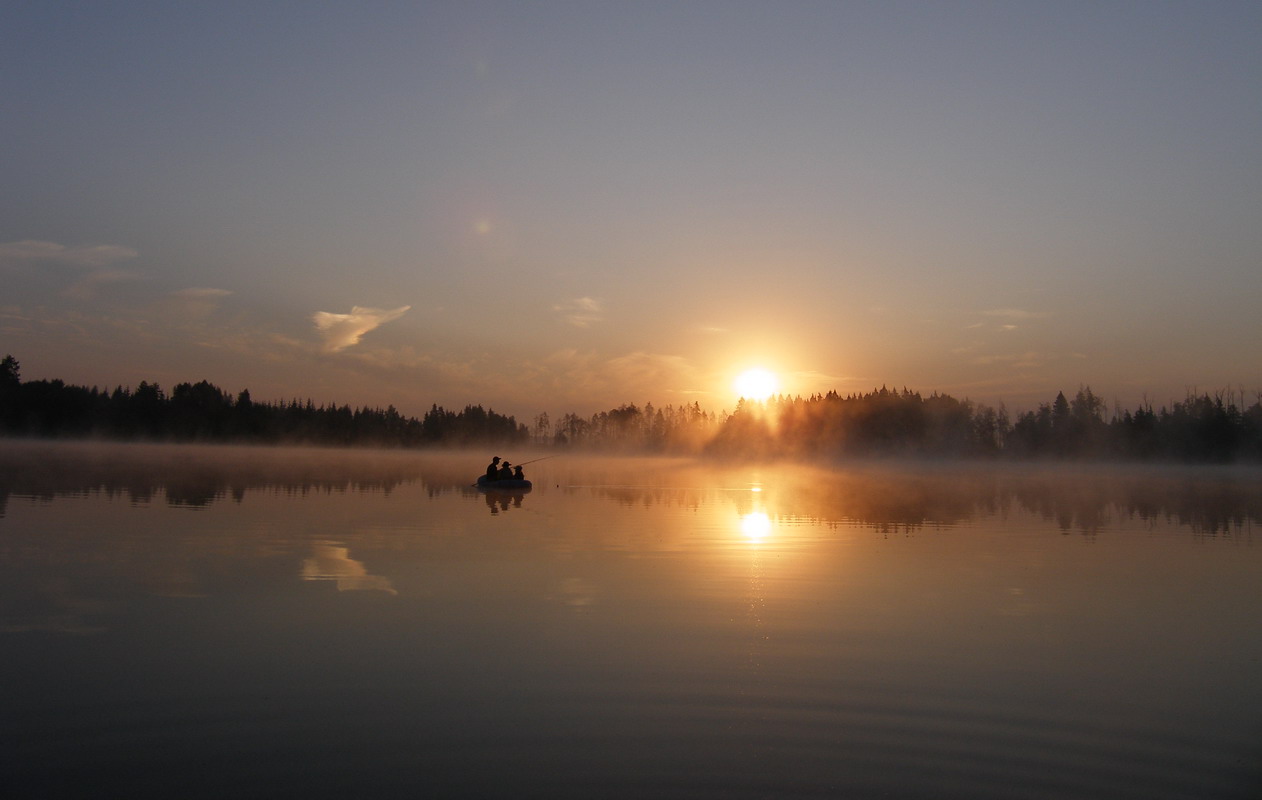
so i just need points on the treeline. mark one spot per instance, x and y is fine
(202, 412)
(880, 423)
(904, 423)
(673, 430)
(884, 422)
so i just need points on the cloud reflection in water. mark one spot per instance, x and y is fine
(331, 561)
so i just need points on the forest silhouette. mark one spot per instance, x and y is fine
(202, 412)
(1217, 428)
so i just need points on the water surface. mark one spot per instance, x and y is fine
(207, 622)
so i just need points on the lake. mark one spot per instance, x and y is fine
(238, 622)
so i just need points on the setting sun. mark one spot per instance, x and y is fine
(756, 384)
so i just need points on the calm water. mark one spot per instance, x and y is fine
(257, 623)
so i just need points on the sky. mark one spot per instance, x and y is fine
(568, 206)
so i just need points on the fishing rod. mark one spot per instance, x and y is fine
(533, 460)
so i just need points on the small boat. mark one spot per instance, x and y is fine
(504, 484)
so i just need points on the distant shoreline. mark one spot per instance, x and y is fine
(883, 423)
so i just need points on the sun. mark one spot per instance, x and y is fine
(756, 384)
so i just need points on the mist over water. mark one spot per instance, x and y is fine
(205, 621)
(1209, 499)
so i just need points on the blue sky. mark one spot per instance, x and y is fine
(567, 206)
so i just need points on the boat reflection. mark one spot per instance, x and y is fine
(668, 601)
(891, 497)
(498, 500)
(83, 538)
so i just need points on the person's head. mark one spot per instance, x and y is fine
(495, 460)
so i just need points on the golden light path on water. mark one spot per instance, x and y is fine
(756, 525)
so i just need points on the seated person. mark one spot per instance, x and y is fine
(518, 475)
(493, 469)
(505, 473)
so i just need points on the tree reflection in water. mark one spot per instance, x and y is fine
(677, 603)
(890, 495)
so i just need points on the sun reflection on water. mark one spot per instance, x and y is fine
(755, 526)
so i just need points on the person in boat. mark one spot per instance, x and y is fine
(518, 475)
(505, 473)
(493, 469)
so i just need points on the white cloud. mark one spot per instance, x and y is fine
(96, 256)
(581, 312)
(340, 331)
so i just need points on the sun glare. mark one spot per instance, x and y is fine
(755, 526)
(756, 384)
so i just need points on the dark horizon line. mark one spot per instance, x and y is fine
(882, 422)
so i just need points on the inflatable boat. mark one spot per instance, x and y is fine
(504, 484)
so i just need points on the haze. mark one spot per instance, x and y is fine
(567, 206)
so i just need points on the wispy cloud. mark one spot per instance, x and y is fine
(88, 285)
(201, 294)
(649, 369)
(1016, 313)
(340, 331)
(417, 361)
(196, 302)
(1030, 359)
(814, 381)
(591, 377)
(1007, 319)
(89, 266)
(30, 251)
(581, 312)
